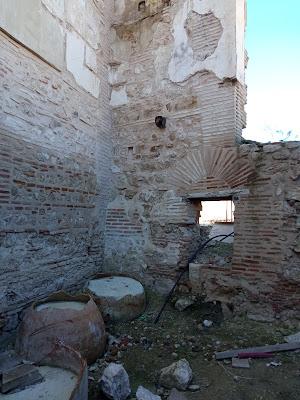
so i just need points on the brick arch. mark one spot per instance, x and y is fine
(211, 169)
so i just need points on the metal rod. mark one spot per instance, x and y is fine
(202, 247)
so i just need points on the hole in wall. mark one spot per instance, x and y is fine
(219, 215)
(216, 217)
(130, 152)
(160, 122)
(142, 6)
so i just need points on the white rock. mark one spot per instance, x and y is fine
(178, 375)
(114, 382)
(145, 394)
(194, 388)
(207, 323)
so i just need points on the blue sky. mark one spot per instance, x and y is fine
(273, 74)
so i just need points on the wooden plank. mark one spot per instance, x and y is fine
(20, 377)
(260, 349)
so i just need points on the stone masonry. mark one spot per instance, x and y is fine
(89, 183)
(55, 146)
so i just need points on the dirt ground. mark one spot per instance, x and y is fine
(144, 348)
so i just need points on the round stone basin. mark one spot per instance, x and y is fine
(57, 384)
(118, 297)
(61, 305)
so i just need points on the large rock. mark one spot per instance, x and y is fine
(178, 375)
(119, 298)
(145, 394)
(114, 382)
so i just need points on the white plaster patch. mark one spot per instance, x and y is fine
(76, 14)
(119, 7)
(75, 64)
(223, 62)
(56, 7)
(32, 25)
(118, 97)
(91, 59)
(93, 25)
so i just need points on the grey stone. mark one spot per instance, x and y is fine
(183, 303)
(207, 323)
(120, 298)
(240, 363)
(178, 375)
(293, 338)
(145, 394)
(194, 388)
(114, 382)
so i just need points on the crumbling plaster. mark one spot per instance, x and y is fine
(97, 186)
(225, 62)
(65, 33)
(147, 159)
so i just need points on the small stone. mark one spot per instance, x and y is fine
(145, 394)
(174, 355)
(207, 323)
(194, 388)
(114, 382)
(240, 363)
(178, 375)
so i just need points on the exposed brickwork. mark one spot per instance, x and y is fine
(118, 224)
(55, 159)
(264, 277)
(204, 32)
(154, 168)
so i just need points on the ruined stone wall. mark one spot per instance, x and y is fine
(179, 59)
(55, 149)
(263, 279)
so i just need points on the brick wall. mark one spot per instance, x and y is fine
(204, 106)
(263, 279)
(55, 167)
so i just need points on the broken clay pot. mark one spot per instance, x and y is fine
(63, 374)
(73, 320)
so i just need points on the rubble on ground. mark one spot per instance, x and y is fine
(145, 394)
(177, 375)
(114, 382)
